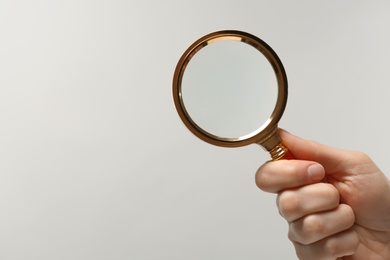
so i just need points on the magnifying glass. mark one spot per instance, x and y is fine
(230, 90)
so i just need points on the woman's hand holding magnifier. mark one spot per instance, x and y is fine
(337, 202)
(230, 90)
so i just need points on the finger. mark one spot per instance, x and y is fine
(327, 156)
(296, 203)
(342, 244)
(276, 176)
(315, 227)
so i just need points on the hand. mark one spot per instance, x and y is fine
(337, 202)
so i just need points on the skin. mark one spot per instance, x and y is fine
(337, 202)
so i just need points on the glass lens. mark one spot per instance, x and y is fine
(229, 89)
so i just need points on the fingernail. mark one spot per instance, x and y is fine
(315, 172)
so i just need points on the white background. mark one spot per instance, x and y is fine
(96, 164)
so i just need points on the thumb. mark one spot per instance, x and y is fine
(302, 149)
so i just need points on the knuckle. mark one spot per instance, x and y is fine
(312, 226)
(306, 230)
(333, 247)
(345, 244)
(266, 177)
(360, 156)
(288, 204)
(349, 215)
(331, 193)
(357, 157)
(261, 180)
(291, 235)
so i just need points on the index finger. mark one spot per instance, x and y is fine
(275, 176)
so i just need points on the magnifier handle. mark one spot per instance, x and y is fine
(280, 152)
(274, 145)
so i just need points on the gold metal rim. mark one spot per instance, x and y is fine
(260, 134)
